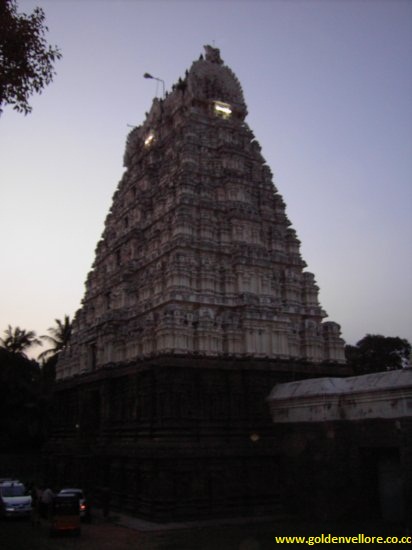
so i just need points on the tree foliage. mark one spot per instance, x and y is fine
(27, 387)
(22, 408)
(376, 353)
(58, 337)
(17, 340)
(26, 391)
(26, 60)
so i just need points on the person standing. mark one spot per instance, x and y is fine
(47, 501)
(105, 501)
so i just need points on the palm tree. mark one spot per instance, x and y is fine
(18, 340)
(59, 337)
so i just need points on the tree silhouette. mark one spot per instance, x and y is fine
(26, 60)
(376, 353)
(58, 337)
(24, 409)
(17, 340)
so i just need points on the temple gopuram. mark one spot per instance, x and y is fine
(196, 305)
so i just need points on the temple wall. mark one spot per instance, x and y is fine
(176, 438)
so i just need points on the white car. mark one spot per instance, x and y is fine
(83, 504)
(14, 500)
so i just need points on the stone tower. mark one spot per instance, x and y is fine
(198, 257)
(197, 304)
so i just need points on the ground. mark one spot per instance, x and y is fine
(21, 535)
(125, 533)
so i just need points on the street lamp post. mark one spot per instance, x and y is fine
(147, 75)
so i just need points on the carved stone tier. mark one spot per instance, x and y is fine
(198, 256)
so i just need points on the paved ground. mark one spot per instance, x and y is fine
(122, 533)
(126, 533)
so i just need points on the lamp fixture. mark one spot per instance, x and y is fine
(149, 139)
(148, 75)
(222, 109)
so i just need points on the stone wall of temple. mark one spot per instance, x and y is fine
(178, 438)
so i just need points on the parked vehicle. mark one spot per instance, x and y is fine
(84, 508)
(65, 515)
(14, 500)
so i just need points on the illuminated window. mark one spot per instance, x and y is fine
(222, 109)
(149, 139)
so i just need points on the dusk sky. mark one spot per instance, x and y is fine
(328, 85)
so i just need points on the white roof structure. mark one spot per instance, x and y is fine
(379, 395)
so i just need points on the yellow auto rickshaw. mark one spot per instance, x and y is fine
(65, 515)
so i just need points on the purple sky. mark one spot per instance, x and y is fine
(328, 86)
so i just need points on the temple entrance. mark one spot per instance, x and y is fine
(390, 485)
(382, 484)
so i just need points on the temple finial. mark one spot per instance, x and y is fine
(213, 55)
